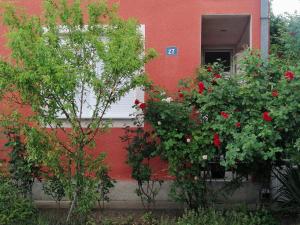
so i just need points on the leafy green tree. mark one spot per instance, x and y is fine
(54, 68)
(285, 37)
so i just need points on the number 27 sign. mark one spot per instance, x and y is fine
(171, 51)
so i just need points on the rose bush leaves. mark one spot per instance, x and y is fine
(239, 117)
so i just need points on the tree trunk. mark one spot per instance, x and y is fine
(72, 206)
(79, 176)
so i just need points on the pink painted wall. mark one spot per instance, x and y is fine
(167, 23)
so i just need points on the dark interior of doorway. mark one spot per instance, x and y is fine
(222, 57)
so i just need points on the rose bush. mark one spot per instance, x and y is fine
(250, 118)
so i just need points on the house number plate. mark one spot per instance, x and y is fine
(171, 51)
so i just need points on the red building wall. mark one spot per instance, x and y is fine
(167, 23)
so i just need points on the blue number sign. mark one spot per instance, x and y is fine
(171, 51)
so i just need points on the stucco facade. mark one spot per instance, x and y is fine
(176, 23)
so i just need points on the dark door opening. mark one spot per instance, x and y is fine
(222, 57)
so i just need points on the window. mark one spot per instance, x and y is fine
(119, 110)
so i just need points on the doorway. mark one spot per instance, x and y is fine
(224, 38)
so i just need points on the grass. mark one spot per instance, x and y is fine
(156, 217)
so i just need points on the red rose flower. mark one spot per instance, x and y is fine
(238, 124)
(142, 105)
(217, 76)
(267, 117)
(180, 94)
(217, 141)
(224, 115)
(201, 87)
(289, 75)
(136, 102)
(275, 93)
(209, 69)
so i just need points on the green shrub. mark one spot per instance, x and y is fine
(250, 218)
(54, 188)
(140, 150)
(14, 209)
(201, 217)
(213, 217)
(23, 171)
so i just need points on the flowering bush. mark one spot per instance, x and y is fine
(251, 115)
(141, 148)
(246, 118)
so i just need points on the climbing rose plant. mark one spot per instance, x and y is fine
(226, 119)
